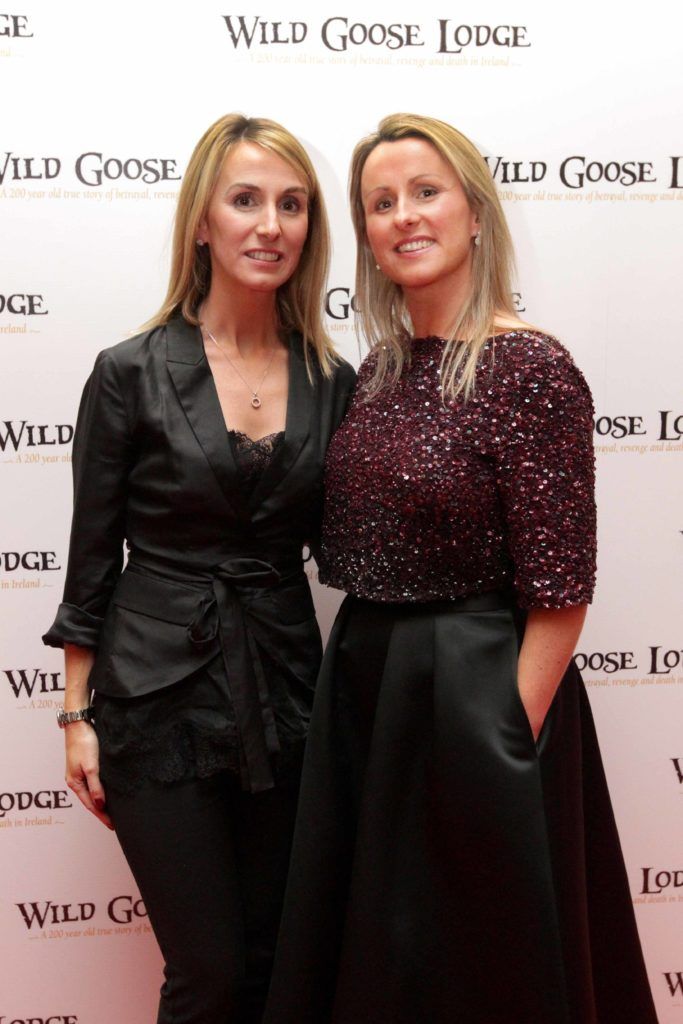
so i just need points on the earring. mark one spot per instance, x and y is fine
(200, 241)
(377, 266)
(477, 238)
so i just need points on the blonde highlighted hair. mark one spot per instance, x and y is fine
(300, 301)
(383, 316)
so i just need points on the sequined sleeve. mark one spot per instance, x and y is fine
(546, 480)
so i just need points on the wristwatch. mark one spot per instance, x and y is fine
(82, 715)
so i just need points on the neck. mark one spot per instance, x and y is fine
(247, 320)
(435, 308)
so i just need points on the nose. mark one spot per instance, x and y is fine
(269, 226)
(405, 213)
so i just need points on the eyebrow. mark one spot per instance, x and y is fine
(257, 188)
(411, 181)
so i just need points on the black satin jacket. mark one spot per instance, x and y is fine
(208, 569)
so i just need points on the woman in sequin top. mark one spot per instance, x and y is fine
(455, 857)
(201, 444)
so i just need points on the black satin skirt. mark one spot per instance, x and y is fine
(446, 868)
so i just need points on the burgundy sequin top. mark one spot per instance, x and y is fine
(429, 501)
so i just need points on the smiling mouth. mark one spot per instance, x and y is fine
(263, 256)
(417, 246)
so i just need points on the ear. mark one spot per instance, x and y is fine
(202, 232)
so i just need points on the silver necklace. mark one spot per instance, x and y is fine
(255, 400)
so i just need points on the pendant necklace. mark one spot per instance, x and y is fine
(254, 392)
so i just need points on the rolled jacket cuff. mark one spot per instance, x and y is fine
(73, 626)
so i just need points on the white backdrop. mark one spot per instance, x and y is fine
(579, 111)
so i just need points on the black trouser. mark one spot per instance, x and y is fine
(211, 865)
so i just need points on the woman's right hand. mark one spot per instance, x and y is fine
(83, 769)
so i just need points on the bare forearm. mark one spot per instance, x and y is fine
(78, 662)
(550, 638)
(82, 749)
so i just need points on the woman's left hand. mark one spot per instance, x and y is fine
(550, 638)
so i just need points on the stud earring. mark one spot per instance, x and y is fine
(477, 239)
(377, 266)
(200, 241)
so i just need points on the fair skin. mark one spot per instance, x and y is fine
(82, 752)
(255, 225)
(421, 231)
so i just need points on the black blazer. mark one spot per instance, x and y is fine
(208, 570)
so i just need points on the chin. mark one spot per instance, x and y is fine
(418, 279)
(265, 286)
(268, 280)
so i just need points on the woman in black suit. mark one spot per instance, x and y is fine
(200, 443)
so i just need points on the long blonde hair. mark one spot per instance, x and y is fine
(300, 301)
(383, 316)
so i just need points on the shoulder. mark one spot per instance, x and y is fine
(132, 351)
(123, 366)
(530, 348)
(533, 358)
(532, 376)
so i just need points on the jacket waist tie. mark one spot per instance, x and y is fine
(235, 608)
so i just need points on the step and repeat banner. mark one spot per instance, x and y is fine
(578, 112)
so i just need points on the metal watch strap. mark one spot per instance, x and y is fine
(67, 717)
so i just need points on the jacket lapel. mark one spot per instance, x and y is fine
(197, 395)
(297, 427)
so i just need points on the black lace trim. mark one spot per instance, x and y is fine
(183, 750)
(252, 456)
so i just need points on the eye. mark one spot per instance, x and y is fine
(244, 200)
(290, 204)
(383, 204)
(427, 191)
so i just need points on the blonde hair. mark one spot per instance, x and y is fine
(300, 301)
(384, 318)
